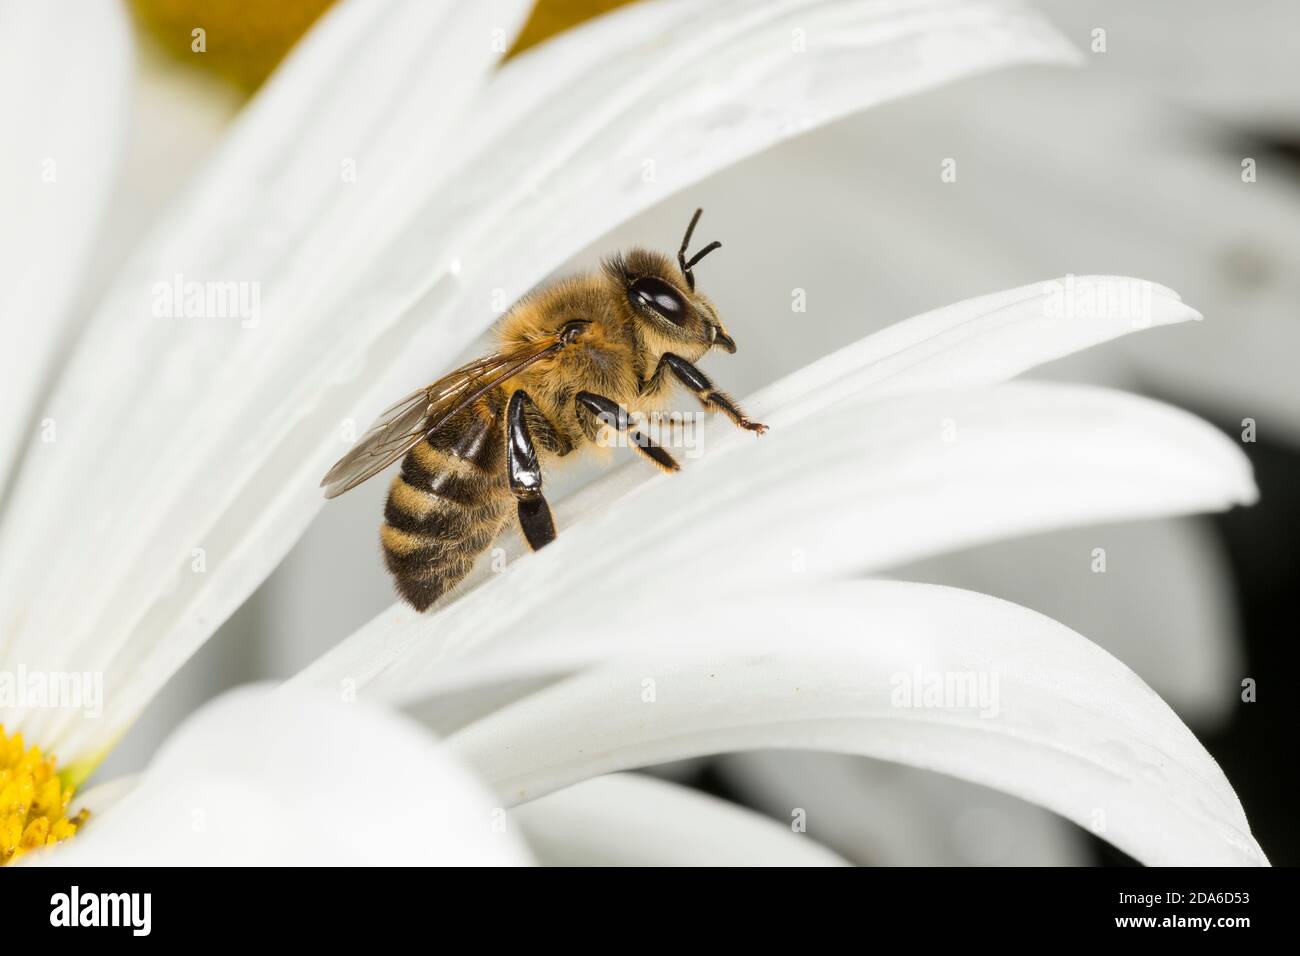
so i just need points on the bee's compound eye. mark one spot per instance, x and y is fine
(654, 293)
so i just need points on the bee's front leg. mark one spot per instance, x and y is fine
(525, 474)
(610, 412)
(690, 376)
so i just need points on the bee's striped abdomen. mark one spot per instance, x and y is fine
(447, 505)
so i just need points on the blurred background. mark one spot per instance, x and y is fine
(1133, 164)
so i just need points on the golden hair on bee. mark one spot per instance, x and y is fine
(572, 357)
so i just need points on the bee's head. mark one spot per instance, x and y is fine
(663, 298)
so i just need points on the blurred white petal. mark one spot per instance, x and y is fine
(177, 118)
(1065, 725)
(1163, 604)
(295, 779)
(1203, 55)
(178, 115)
(65, 69)
(635, 820)
(349, 272)
(887, 814)
(1116, 197)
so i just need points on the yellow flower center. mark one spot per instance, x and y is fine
(550, 17)
(244, 40)
(33, 800)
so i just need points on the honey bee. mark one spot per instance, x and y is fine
(572, 356)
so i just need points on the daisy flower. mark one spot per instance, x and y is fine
(368, 207)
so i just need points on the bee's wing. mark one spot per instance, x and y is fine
(395, 433)
(400, 428)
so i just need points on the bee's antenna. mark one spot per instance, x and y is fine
(687, 266)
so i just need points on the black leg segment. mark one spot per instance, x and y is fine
(699, 383)
(612, 413)
(526, 475)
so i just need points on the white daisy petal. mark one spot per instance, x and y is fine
(441, 210)
(65, 71)
(262, 778)
(1030, 708)
(984, 340)
(635, 820)
(154, 474)
(861, 486)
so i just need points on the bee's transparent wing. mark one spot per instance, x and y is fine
(401, 427)
(395, 433)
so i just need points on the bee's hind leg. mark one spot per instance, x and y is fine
(710, 397)
(525, 474)
(615, 415)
